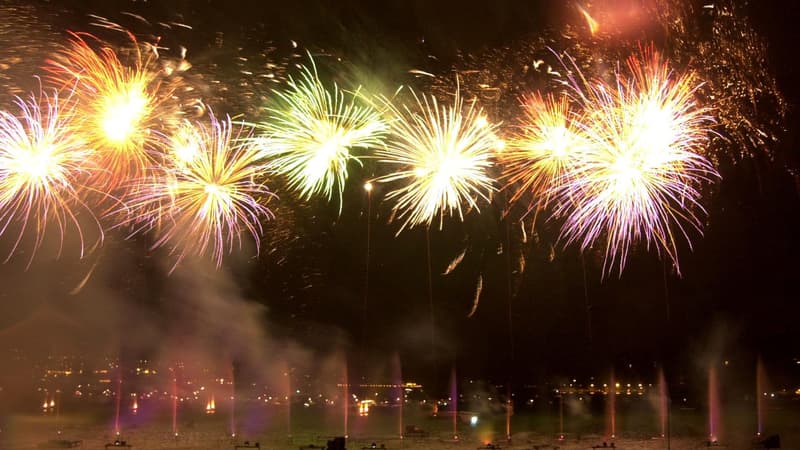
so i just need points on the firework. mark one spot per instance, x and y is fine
(313, 131)
(121, 102)
(639, 178)
(548, 142)
(43, 166)
(184, 145)
(591, 23)
(205, 203)
(732, 59)
(443, 155)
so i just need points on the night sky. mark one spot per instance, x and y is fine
(737, 297)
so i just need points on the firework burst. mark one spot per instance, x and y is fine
(205, 203)
(313, 131)
(184, 145)
(43, 166)
(121, 103)
(547, 144)
(639, 177)
(443, 155)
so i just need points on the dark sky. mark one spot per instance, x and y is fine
(738, 296)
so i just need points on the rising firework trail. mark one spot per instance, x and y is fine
(442, 156)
